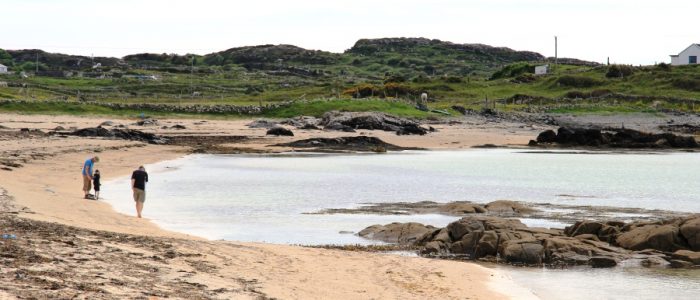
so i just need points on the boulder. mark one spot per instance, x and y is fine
(487, 245)
(659, 237)
(547, 136)
(677, 264)
(687, 255)
(602, 262)
(371, 121)
(458, 229)
(690, 230)
(401, 233)
(278, 131)
(527, 252)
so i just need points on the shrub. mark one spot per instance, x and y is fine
(578, 81)
(689, 84)
(452, 79)
(600, 93)
(394, 78)
(513, 70)
(363, 91)
(576, 94)
(525, 78)
(421, 79)
(618, 71)
(664, 67)
(393, 89)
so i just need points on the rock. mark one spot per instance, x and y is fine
(402, 233)
(107, 123)
(116, 133)
(587, 237)
(302, 122)
(680, 264)
(178, 127)
(350, 143)
(458, 229)
(59, 128)
(659, 237)
(620, 138)
(487, 245)
(262, 124)
(508, 207)
(279, 131)
(309, 127)
(654, 261)
(147, 122)
(339, 127)
(690, 230)
(602, 262)
(687, 255)
(523, 251)
(583, 227)
(461, 208)
(548, 136)
(371, 121)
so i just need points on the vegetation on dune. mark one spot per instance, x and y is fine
(383, 74)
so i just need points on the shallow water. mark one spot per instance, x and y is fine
(263, 198)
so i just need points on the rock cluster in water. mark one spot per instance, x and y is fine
(620, 138)
(673, 242)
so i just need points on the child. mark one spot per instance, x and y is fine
(96, 184)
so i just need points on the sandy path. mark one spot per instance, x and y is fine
(49, 187)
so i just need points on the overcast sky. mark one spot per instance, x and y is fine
(627, 31)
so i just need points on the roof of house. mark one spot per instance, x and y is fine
(1, 65)
(691, 45)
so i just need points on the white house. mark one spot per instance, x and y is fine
(541, 70)
(689, 56)
(3, 69)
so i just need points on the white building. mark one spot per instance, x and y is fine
(689, 56)
(3, 69)
(541, 70)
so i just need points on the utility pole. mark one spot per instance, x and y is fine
(192, 77)
(556, 54)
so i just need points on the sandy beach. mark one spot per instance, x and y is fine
(70, 247)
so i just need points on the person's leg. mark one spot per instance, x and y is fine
(97, 194)
(86, 185)
(139, 208)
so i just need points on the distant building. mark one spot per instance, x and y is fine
(542, 70)
(3, 69)
(689, 56)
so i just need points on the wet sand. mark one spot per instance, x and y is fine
(70, 247)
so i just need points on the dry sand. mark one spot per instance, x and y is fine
(71, 247)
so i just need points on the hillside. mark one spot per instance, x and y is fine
(394, 69)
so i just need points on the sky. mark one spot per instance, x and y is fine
(627, 31)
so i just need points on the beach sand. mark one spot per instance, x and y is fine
(70, 247)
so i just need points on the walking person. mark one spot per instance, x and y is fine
(87, 175)
(138, 185)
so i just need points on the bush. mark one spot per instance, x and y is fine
(525, 78)
(664, 67)
(578, 81)
(452, 79)
(421, 79)
(600, 93)
(394, 78)
(363, 91)
(513, 70)
(576, 95)
(619, 71)
(393, 89)
(689, 84)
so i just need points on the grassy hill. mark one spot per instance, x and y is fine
(388, 74)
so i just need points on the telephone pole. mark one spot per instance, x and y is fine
(556, 54)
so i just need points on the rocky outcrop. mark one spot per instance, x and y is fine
(351, 143)
(400, 233)
(598, 244)
(117, 133)
(622, 138)
(371, 121)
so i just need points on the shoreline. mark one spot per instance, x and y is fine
(299, 272)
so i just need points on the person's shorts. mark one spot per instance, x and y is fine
(139, 195)
(97, 187)
(87, 183)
